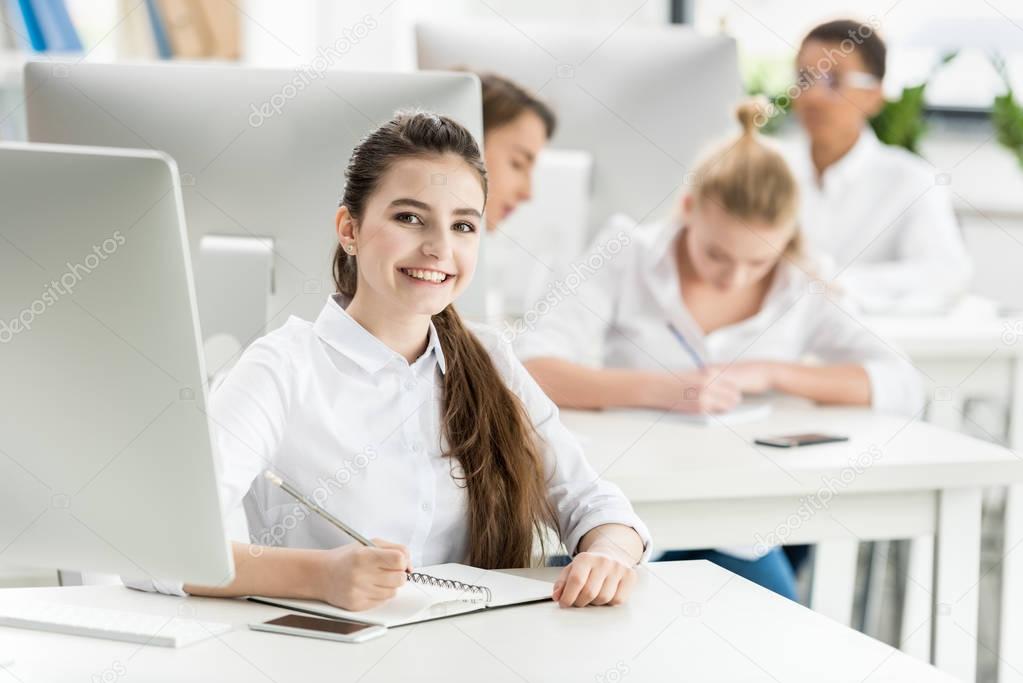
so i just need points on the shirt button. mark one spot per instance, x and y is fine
(425, 507)
(416, 447)
(410, 384)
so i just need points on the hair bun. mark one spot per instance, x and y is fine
(752, 114)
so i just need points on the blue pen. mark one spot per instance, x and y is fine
(688, 347)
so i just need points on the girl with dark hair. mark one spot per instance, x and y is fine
(877, 210)
(516, 127)
(401, 419)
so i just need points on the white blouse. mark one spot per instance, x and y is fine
(349, 422)
(884, 216)
(618, 312)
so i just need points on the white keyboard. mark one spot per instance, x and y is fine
(95, 622)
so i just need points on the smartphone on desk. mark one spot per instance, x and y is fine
(342, 630)
(795, 440)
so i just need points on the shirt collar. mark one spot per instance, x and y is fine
(663, 247)
(335, 327)
(847, 168)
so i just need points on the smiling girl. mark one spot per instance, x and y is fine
(402, 421)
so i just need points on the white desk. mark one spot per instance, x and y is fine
(961, 356)
(710, 486)
(686, 621)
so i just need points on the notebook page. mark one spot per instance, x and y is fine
(409, 605)
(415, 602)
(747, 411)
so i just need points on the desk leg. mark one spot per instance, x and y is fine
(1010, 663)
(956, 574)
(1010, 656)
(947, 414)
(834, 579)
(916, 609)
(877, 580)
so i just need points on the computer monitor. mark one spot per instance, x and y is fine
(106, 456)
(643, 101)
(536, 245)
(262, 154)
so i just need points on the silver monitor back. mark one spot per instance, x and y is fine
(106, 457)
(643, 101)
(262, 152)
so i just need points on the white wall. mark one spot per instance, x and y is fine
(917, 33)
(278, 32)
(986, 183)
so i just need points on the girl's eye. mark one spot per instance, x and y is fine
(409, 219)
(464, 227)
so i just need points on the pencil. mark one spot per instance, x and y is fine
(289, 489)
(414, 577)
(688, 347)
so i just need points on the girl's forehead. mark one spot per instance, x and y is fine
(444, 178)
(829, 56)
(745, 239)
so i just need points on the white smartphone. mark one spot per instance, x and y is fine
(314, 627)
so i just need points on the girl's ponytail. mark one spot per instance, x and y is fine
(749, 178)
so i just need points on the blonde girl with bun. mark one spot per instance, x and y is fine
(728, 274)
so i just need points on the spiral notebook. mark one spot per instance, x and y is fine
(435, 592)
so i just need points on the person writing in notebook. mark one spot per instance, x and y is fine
(691, 313)
(400, 419)
(878, 210)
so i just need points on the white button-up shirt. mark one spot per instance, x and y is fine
(884, 216)
(349, 422)
(614, 310)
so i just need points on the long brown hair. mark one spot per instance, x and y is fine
(750, 180)
(486, 426)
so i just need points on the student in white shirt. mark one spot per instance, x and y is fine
(401, 420)
(880, 211)
(731, 277)
(516, 127)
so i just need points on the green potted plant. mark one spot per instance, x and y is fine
(1007, 115)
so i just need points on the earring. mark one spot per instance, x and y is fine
(350, 248)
